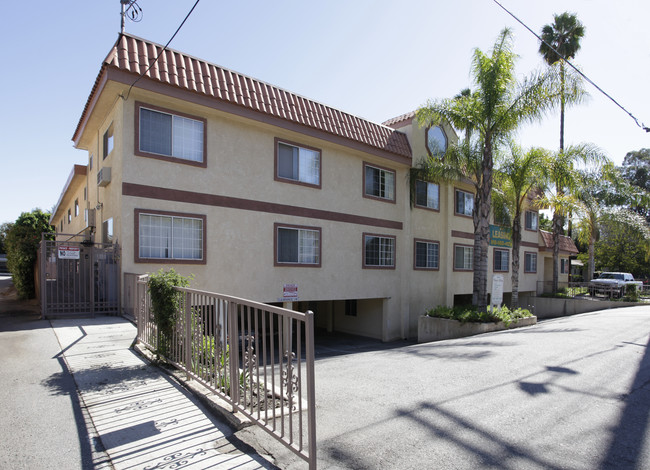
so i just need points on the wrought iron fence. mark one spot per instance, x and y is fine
(257, 357)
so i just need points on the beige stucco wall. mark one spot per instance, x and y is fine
(240, 243)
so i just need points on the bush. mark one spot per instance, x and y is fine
(165, 303)
(472, 314)
(631, 293)
(22, 241)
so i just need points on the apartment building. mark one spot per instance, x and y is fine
(264, 194)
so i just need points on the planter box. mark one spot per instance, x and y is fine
(436, 329)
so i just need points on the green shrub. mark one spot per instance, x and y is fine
(22, 241)
(631, 293)
(471, 314)
(165, 303)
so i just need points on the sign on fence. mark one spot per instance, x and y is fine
(68, 252)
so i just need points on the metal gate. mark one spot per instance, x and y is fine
(78, 278)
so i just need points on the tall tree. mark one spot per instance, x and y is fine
(517, 179)
(624, 243)
(563, 36)
(562, 182)
(496, 108)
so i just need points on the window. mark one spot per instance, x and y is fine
(69, 216)
(464, 203)
(351, 308)
(85, 193)
(107, 231)
(427, 195)
(379, 251)
(531, 220)
(463, 257)
(170, 236)
(436, 141)
(299, 164)
(90, 162)
(108, 142)
(501, 260)
(427, 254)
(530, 262)
(76, 207)
(171, 135)
(297, 245)
(379, 182)
(564, 266)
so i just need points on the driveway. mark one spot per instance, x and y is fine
(569, 393)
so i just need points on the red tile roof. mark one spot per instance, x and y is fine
(135, 55)
(396, 120)
(566, 243)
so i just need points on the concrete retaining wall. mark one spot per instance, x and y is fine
(436, 329)
(548, 307)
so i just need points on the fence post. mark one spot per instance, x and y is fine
(187, 340)
(233, 347)
(311, 388)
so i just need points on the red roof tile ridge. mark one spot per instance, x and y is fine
(400, 118)
(131, 53)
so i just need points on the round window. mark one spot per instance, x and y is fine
(436, 141)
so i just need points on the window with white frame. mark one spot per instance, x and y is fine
(427, 254)
(531, 220)
(427, 195)
(530, 262)
(76, 207)
(297, 163)
(463, 257)
(171, 135)
(379, 251)
(501, 260)
(379, 182)
(464, 203)
(297, 245)
(170, 237)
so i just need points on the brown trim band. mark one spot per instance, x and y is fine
(459, 234)
(191, 197)
(529, 244)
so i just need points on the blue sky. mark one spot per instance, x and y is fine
(375, 59)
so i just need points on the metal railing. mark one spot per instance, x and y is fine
(584, 289)
(257, 357)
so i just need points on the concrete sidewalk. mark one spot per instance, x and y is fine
(143, 419)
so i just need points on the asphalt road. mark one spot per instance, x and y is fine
(569, 393)
(41, 422)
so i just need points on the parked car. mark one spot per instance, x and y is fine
(613, 284)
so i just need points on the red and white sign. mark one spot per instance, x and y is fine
(68, 252)
(290, 292)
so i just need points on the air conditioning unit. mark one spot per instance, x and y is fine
(104, 177)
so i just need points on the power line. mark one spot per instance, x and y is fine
(640, 124)
(162, 50)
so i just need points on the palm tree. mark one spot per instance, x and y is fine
(563, 37)
(496, 108)
(562, 184)
(517, 180)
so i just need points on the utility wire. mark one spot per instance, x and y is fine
(640, 124)
(162, 50)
